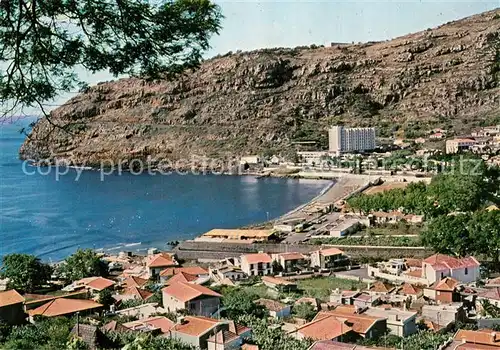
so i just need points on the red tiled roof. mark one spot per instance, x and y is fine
(410, 289)
(494, 281)
(134, 281)
(192, 270)
(412, 262)
(223, 337)
(447, 284)
(140, 294)
(359, 323)
(195, 325)
(160, 322)
(277, 281)
(325, 327)
(331, 251)
(480, 337)
(444, 262)
(62, 306)
(493, 293)
(186, 291)
(10, 297)
(249, 347)
(257, 258)
(292, 256)
(182, 277)
(160, 260)
(414, 273)
(96, 283)
(381, 287)
(271, 305)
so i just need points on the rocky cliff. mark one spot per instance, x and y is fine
(263, 101)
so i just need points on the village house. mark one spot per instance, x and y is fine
(232, 273)
(134, 293)
(438, 266)
(279, 284)
(345, 297)
(184, 277)
(343, 326)
(259, 264)
(141, 311)
(399, 322)
(65, 307)
(491, 295)
(275, 308)
(412, 291)
(192, 274)
(156, 263)
(444, 315)
(459, 145)
(196, 330)
(493, 283)
(381, 288)
(291, 262)
(134, 281)
(483, 339)
(335, 345)
(443, 291)
(196, 299)
(92, 284)
(328, 258)
(156, 325)
(11, 307)
(229, 339)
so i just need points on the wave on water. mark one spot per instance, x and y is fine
(132, 244)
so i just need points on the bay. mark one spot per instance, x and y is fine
(51, 218)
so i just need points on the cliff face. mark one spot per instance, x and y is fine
(263, 100)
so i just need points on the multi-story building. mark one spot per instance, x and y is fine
(343, 139)
(259, 264)
(328, 258)
(457, 145)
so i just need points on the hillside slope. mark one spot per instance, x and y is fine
(263, 100)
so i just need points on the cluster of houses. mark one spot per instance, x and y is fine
(402, 295)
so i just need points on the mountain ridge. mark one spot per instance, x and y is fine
(263, 100)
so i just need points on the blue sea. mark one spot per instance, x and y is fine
(51, 218)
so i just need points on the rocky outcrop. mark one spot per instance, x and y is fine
(262, 101)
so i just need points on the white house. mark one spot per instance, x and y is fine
(439, 266)
(259, 264)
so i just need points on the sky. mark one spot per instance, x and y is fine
(251, 24)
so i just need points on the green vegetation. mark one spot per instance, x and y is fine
(464, 234)
(46, 334)
(371, 240)
(466, 185)
(106, 298)
(271, 338)
(305, 311)
(424, 340)
(321, 287)
(240, 302)
(26, 273)
(148, 39)
(83, 263)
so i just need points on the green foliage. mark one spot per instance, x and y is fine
(304, 310)
(43, 41)
(126, 304)
(76, 343)
(466, 234)
(272, 338)
(45, 334)
(386, 341)
(465, 185)
(83, 263)
(321, 287)
(371, 240)
(25, 272)
(106, 298)
(240, 302)
(424, 340)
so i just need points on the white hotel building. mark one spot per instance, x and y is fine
(343, 139)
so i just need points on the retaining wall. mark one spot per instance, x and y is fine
(191, 250)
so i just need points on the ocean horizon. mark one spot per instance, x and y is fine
(51, 216)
